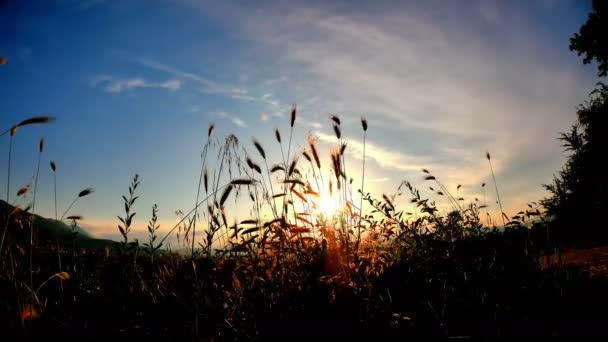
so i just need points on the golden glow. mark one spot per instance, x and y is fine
(327, 204)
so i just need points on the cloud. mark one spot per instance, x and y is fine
(238, 121)
(313, 124)
(383, 156)
(446, 82)
(264, 117)
(233, 118)
(208, 86)
(118, 85)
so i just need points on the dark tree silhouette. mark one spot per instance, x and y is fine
(591, 40)
(578, 192)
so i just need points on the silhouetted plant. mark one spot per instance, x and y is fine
(127, 219)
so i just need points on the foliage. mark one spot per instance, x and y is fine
(578, 192)
(390, 272)
(591, 40)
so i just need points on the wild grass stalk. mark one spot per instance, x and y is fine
(32, 222)
(54, 169)
(42, 119)
(200, 180)
(8, 172)
(153, 228)
(8, 186)
(364, 126)
(81, 194)
(502, 213)
(127, 220)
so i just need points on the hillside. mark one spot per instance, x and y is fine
(46, 229)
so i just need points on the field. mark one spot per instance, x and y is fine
(302, 272)
(223, 212)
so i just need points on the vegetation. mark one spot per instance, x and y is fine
(293, 268)
(579, 192)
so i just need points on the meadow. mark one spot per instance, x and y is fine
(309, 262)
(315, 252)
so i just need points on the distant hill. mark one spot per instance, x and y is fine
(46, 229)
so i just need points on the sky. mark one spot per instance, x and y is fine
(134, 86)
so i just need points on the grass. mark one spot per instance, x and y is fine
(291, 269)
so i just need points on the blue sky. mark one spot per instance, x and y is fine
(135, 84)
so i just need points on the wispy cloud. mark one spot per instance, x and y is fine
(209, 86)
(118, 85)
(383, 156)
(430, 79)
(238, 121)
(233, 118)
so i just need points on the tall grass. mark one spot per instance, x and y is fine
(32, 226)
(502, 213)
(43, 119)
(401, 270)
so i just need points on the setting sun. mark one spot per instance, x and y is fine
(326, 204)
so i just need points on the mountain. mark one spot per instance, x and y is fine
(46, 229)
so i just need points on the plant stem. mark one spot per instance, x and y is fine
(497, 193)
(68, 209)
(32, 220)
(362, 185)
(8, 182)
(198, 191)
(55, 191)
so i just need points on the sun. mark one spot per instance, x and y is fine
(327, 204)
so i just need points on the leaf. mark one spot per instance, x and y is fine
(299, 230)
(269, 223)
(85, 192)
(29, 313)
(225, 194)
(299, 195)
(335, 119)
(23, 190)
(62, 275)
(364, 124)
(304, 220)
(242, 181)
(294, 181)
(293, 116)
(258, 146)
(250, 230)
(277, 168)
(249, 222)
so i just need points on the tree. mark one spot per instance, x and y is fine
(578, 191)
(591, 41)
